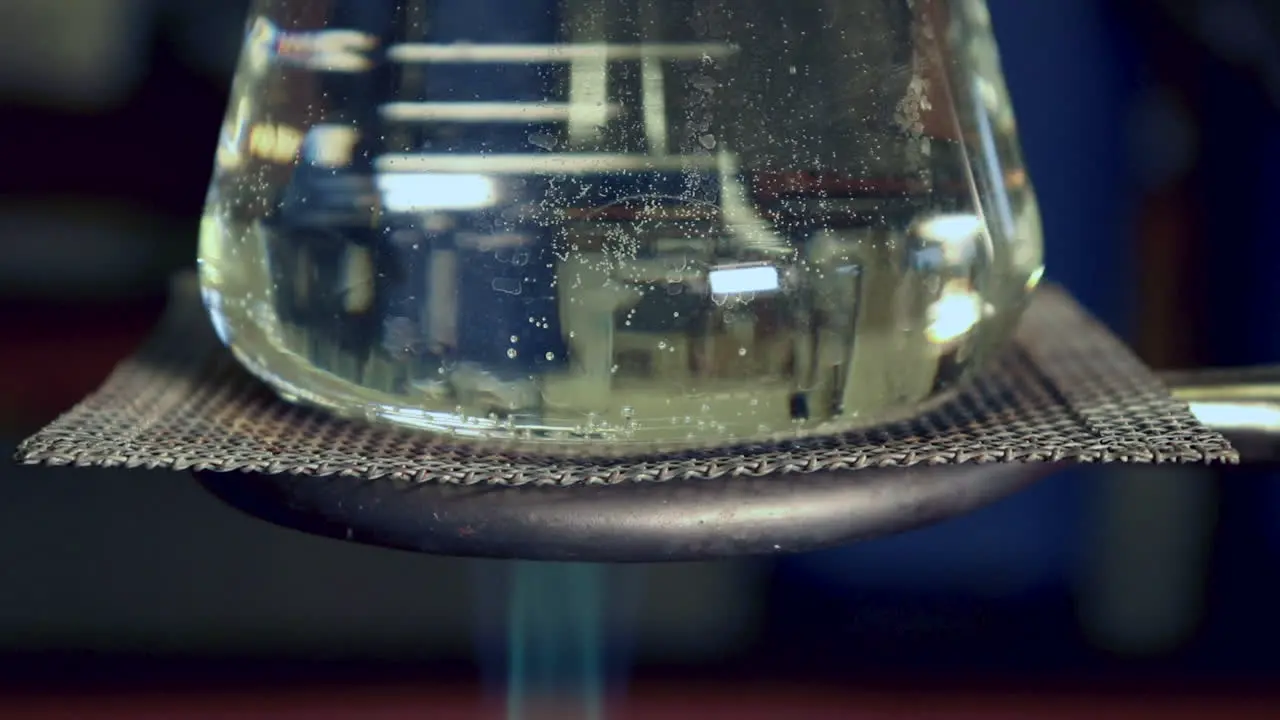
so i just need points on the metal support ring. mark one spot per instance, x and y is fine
(702, 519)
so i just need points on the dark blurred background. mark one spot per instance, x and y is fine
(1152, 128)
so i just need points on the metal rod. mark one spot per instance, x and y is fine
(1241, 403)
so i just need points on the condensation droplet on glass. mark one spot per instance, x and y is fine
(543, 140)
(704, 83)
(506, 285)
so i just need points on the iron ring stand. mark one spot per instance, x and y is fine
(699, 519)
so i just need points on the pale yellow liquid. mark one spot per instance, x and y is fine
(568, 291)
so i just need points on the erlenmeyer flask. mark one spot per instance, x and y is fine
(611, 224)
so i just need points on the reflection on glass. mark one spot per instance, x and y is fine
(626, 223)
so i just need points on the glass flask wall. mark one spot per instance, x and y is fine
(629, 223)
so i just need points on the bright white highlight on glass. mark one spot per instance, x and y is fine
(1034, 280)
(742, 280)
(330, 146)
(491, 112)
(415, 192)
(495, 53)
(957, 235)
(953, 316)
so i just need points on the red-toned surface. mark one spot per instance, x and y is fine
(55, 354)
(409, 703)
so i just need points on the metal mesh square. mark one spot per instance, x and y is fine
(1067, 391)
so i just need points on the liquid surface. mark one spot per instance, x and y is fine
(644, 223)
